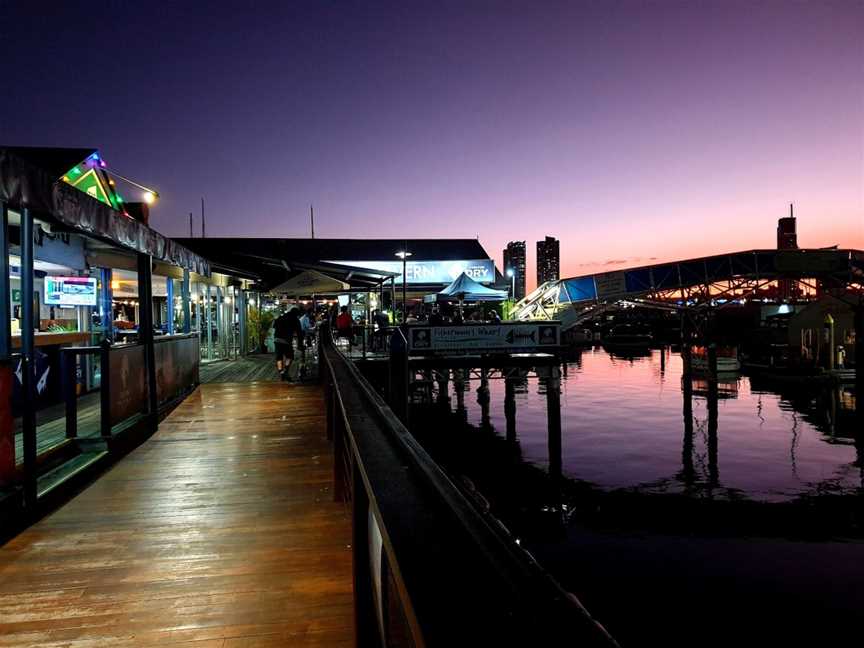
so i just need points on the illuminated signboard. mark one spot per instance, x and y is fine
(432, 272)
(70, 291)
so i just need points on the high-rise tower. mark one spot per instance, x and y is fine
(547, 260)
(514, 260)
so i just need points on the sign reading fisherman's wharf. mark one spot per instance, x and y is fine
(492, 338)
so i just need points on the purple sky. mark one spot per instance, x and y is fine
(628, 130)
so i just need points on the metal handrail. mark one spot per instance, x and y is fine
(517, 597)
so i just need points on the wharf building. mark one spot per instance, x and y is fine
(364, 274)
(548, 260)
(514, 261)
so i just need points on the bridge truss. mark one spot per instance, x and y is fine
(697, 283)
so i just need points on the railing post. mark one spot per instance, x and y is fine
(67, 371)
(398, 375)
(105, 389)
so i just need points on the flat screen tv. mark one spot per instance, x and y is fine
(70, 291)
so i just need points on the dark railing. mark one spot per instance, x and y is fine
(430, 568)
(364, 341)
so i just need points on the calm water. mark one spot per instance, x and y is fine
(672, 533)
(623, 426)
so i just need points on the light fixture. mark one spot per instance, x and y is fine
(149, 197)
(404, 254)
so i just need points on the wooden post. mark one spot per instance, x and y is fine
(713, 471)
(483, 398)
(688, 471)
(510, 408)
(459, 388)
(686, 338)
(444, 387)
(553, 418)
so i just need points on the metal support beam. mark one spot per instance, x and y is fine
(242, 312)
(106, 299)
(5, 288)
(220, 337)
(208, 301)
(185, 293)
(28, 360)
(145, 333)
(169, 310)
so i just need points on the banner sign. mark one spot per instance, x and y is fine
(610, 284)
(432, 272)
(493, 338)
(128, 383)
(176, 367)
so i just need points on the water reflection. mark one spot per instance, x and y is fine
(643, 492)
(617, 424)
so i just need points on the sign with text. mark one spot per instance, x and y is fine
(432, 272)
(491, 338)
(610, 284)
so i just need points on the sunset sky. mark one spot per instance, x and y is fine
(629, 130)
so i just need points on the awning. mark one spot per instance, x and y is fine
(464, 288)
(26, 184)
(311, 282)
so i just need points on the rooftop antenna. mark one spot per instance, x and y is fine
(203, 226)
(191, 234)
(791, 213)
(312, 218)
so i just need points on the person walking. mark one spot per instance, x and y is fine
(285, 329)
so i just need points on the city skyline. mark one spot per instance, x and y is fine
(634, 133)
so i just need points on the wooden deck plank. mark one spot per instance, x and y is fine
(220, 531)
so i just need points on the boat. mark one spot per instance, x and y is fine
(727, 359)
(628, 337)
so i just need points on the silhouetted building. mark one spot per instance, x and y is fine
(514, 259)
(787, 239)
(547, 260)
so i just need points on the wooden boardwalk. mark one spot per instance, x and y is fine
(220, 531)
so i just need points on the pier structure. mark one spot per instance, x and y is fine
(699, 288)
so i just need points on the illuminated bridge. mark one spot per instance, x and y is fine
(695, 282)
